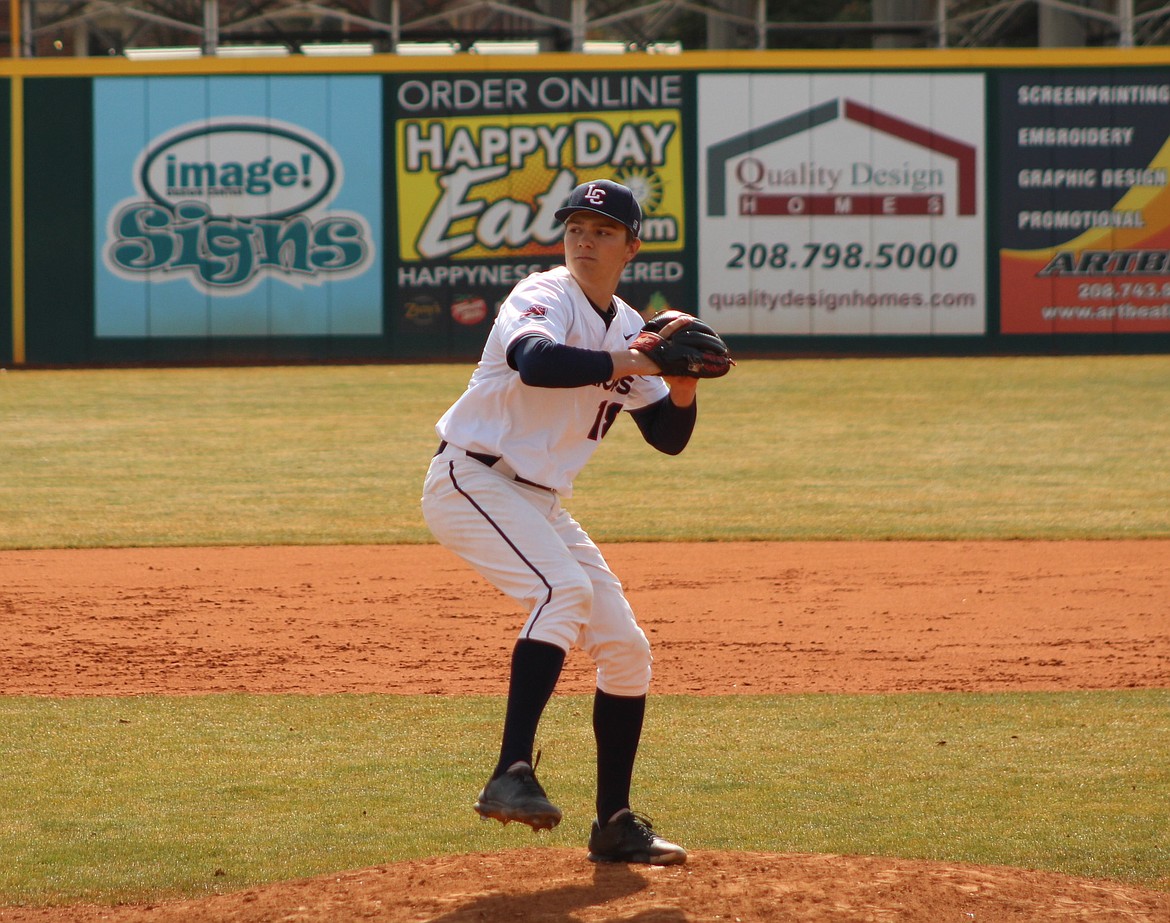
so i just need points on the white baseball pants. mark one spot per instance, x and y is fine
(524, 543)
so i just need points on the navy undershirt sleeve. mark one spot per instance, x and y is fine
(545, 364)
(665, 426)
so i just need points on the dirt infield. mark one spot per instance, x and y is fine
(723, 619)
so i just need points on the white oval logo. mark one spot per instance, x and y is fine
(241, 168)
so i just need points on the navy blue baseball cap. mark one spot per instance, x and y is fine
(605, 197)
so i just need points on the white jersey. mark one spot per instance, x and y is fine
(546, 435)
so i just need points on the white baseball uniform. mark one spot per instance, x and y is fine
(498, 518)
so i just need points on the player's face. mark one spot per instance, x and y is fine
(597, 248)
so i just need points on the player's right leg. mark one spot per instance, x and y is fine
(501, 528)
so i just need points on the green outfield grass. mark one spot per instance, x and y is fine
(114, 800)
(978, 448)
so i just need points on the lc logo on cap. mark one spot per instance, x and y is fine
(606, 198)
(594, 195)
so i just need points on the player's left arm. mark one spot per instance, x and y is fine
(667, 424)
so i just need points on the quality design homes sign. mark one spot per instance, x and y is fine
(842, 205)
(229, 201)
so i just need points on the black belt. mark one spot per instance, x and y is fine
(490, 460)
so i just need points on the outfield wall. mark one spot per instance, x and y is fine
(302, 209)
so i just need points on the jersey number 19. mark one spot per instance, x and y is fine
(607, 412)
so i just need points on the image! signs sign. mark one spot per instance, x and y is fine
(226, 202)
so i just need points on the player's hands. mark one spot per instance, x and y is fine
(639, 362)
(681, 345)
(631, 361)
(683, 388)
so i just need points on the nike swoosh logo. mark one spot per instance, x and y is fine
(629, 336)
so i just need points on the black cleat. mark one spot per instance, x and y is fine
(517, 796)
(631, 838)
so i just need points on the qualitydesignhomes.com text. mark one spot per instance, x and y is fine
(792, 299)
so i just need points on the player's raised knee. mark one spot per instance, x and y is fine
(623, 667)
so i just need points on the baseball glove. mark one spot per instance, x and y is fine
(695, 351)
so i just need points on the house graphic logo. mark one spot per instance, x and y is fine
(840, 189)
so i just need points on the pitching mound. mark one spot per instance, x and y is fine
(547, 885)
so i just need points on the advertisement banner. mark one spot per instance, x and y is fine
(483, 162)
(238, 206)
(1085, 230)
(842, 204)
